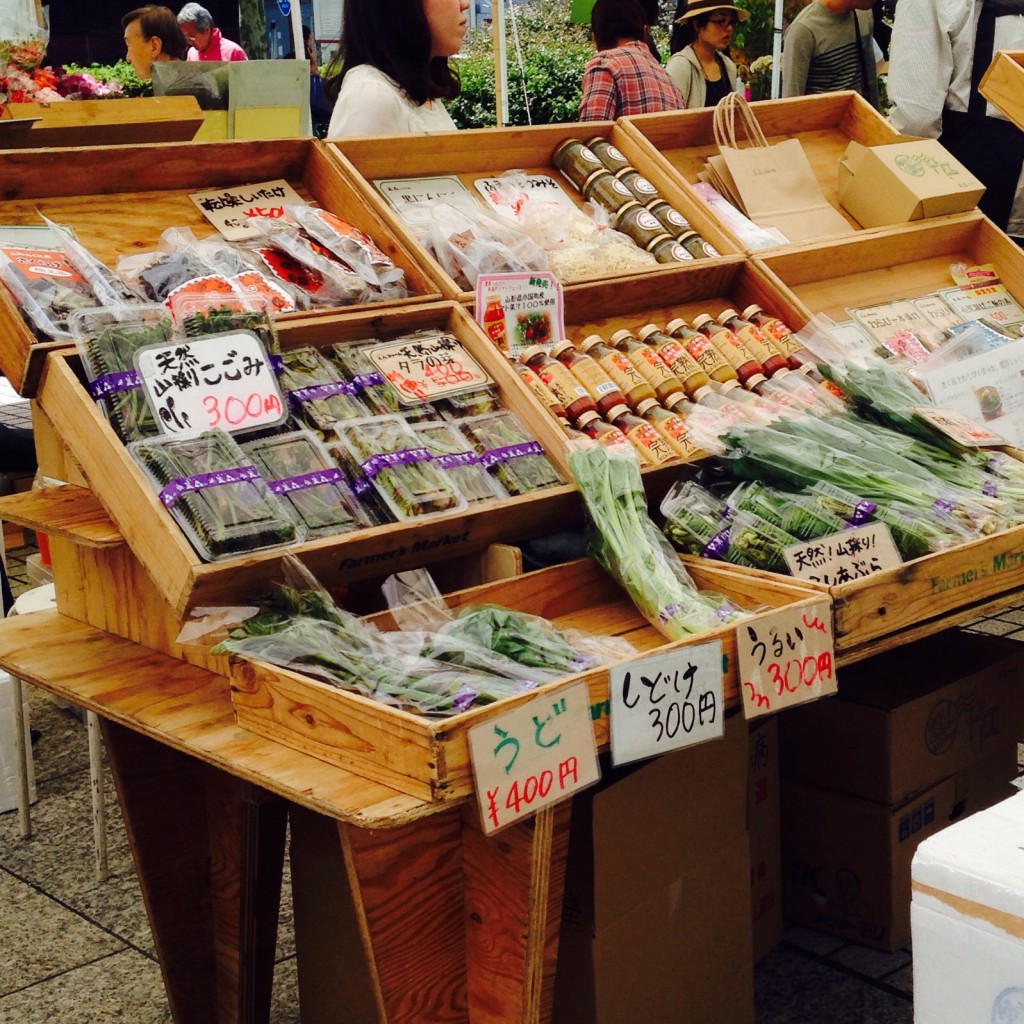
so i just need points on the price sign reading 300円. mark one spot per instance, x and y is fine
(786, 657)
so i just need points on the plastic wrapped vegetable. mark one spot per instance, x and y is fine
(46, 287)
(458, 458)
(316, 393)
(216, 494)
(373, 390)
(517, 461)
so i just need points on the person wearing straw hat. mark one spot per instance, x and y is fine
(700, 65)
(829, 46)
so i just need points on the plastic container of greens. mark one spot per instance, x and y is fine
(454, 454)
(317, 394)
(761, 542)
(107, 340)
(298, 468)
(515, 459)
(469, 403)
(373, 389)
(400, 467)
(216, 495)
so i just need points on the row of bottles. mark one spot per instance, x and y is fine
(641, 387)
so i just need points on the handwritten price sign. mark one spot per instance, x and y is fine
(220, 382)
(786, 658)
(843, 557)
(422, 369)
(666, 701)
(533, 756)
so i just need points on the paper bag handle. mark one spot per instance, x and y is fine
(730, 108)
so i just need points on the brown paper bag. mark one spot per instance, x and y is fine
(775, 184)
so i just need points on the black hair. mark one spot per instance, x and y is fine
(159, 21)
(394, 37)
(612, 20)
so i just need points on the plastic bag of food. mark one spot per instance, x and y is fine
(46, 288)
(108, 288)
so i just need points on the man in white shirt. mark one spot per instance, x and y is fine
(940, 51)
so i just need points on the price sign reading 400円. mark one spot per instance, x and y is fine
(223, 382)
(786, 657)
(666, 701)
(533, 756)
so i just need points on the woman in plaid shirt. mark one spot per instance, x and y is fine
(623, 77)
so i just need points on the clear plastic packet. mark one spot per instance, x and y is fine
(373, 505)
(299, 469)
(399, 467)
(192, 300)
(454, 454)
(916, 533)
(216, 495)
(760, 541)
(468, 403)
(107, 340)
(108, 288)
(241, 313)
(349, 244)
(509, 453)
(851, 508)
(694, 519)
(46, 287)
(262, 293)
(355, 365)
(156, 274)
(806, 520)
(316, 393)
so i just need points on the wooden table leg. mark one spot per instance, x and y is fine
(209, 852)
(514, 888)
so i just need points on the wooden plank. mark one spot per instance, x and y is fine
(208, 850)
(127, 122)
(409, 898)
(514, 889)
(1003, 85)
(65, 511)
(188, 709)
(53, 460)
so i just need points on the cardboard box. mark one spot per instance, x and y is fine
(909, 717)
(846, 861)
(904, 181)
(968, 919)
(764, 830)
(656, 919)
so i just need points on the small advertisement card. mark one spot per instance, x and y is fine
(228, 209)
(402, 192)
(842, 557)
(424, 368)
(520, 310)
(498, 191)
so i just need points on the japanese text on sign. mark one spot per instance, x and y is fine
(220, 382)
(842, 557)
(961, 428)
(520, 310)
(786, 657)
(533, 756)
(229, 209)
(500, 191)
(402, 192)
(424, 368)
(666, 701)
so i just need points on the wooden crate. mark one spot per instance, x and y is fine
(119, 200)
(430, 758)
(488, 152)
(185, 581)
(1003, 85)
(825, 124)
(122, 122)
(894, 263)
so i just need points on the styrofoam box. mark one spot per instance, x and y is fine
(967, 917)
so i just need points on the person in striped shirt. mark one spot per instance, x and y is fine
(828, 46)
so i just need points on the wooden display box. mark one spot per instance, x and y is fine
(184, 580)
(1003, 85)
(825, 124)
(111, 122)
(490, 152)
(118, 201)
(429, 758)
(927, 593)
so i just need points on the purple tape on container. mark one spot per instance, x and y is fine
(360, 485)
(862, 512)
(174, 489)
(111, 383)
(276, 363)
(375, 463)
(989, 488)
(317, 391)
(728, 512)
(318, 478)
(511, 451)
(464, 698)
(943, 505)
(666, 613)
(362, 381)
(994, 463)
(456, 459)
(718, 545)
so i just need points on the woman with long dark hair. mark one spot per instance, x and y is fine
(391, 71)
(700, 64)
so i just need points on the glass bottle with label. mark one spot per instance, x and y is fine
(608, 154)
(494, 322)
(760, 346)
(619, 367)
(598, 430)
(799, 357)
(562, 384)
(576, 161)
(748, 370)
(672, 428)
(650, 365)
(591, 374)
(699, 346)
(543, 393)
(673, 354)
(650, 445)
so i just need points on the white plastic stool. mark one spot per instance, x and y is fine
(42, 599)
